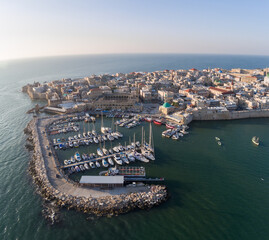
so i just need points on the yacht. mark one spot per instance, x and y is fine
(77, 156)
(95, 140)
(105, 151)
(110, 161)
(115, 149)
(140, 157)
(86, 166)
(131, 157)
(100, 152)
(105, 163)
(148, 154)
(92, 165)
(97, 164)
(117, 159)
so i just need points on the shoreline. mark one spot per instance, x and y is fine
(68, 194)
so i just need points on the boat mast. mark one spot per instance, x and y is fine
(150, 132)
(142, 136)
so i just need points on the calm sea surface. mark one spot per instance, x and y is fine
(216, 192)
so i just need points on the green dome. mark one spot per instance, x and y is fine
(166, 105)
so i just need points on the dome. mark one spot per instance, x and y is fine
(166, 105)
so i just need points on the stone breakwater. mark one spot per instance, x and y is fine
(100, 206)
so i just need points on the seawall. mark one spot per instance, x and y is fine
(231, 115)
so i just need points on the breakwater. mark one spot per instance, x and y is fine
(52, 186)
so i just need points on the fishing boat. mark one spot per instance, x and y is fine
(148, 119)
(256, 140)
(170, 125)
(157, 122)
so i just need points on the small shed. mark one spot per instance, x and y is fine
(102, 181)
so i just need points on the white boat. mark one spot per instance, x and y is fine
(105, 163)
(175, 136)
(148, 154)
(92, 165)
(110, 137)
(115, 149)
(77, 156)
(105, 151)
(131, 157)
(219, 143)
(256, 140)
(140, 157)
(95, 140)
(86, 166)
(97, 164)
(117, 159)
(110, 161)
(100, 152)
(217, 138)
(65, 162)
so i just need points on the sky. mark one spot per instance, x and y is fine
(35, 28)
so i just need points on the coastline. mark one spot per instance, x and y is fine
(65, 193)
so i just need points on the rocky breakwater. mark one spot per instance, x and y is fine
(101, 206)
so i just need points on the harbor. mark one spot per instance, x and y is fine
(52, 176)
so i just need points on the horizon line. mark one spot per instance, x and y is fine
(138, 53)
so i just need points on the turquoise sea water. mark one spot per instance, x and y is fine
(216, 192)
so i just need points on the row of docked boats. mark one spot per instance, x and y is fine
(129, 122)
(118, 155)
(175, 133)
(86, 138)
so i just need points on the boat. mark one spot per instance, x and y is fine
(97, 164)
(256, 140)
(140, 157)
(175, 136)
(95, 140)
(117, 159)
(170, 125)
(217, 138)
(115, 149)
(100, 152)
(110, 161)
(148, 119)
(105, 151)
(131, 157)
(65, 162)
(105, 163)
(219, 143)
(77, 156)
(147, 154)
(157, 122)
(92, 165)
(73, 159)
(86, 166)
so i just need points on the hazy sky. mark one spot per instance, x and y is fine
(30, 28)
